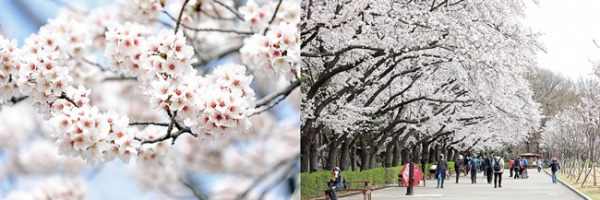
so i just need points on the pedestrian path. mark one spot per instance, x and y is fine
(538, 186)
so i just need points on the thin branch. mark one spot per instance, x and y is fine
(65, 97)
(120, 78)
(95, 64)
(147, 123)
(282, 94)
(273, 18)
(267, 173)
(238, 15)
(196, 193)
(16, 100)
(211, 29)
(165, 137)
(219, 30)
(180, 14)
(285, 92)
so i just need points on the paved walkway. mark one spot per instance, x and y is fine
(538, 186)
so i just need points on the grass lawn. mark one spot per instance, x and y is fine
(592, 191)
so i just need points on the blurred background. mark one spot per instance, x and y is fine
(249, 162)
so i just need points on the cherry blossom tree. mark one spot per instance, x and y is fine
(171, 88)
(398, 75)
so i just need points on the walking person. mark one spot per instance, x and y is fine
(466, 162)
(489, 169)
(498, 167)
(474, 165)
(517, 167)
(539, 165)
(554, 166)
(457, 165)
(440, 170)
(510, 167)
(337, 183)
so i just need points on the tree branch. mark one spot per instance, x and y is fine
(147, 123)
(269, 98)
(188, 185)
(238, 15)
(273, 18)
(180, 14)
(95, 64)
(120, 78)
(290, 161)
(65, 97)
(210, 29)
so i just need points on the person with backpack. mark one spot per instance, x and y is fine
(474, 165)
(440, 170)
(337, 183)
(510, 167)
(554, 166)
(457, 165)
(489, 170)
(498, 167)
(517, 167)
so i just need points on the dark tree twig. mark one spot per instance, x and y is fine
(273, 18)
(238, 15)
(274, 96)
(196, 193)
(289, 161)
(180, 14)
(65, 97)
(147, 123)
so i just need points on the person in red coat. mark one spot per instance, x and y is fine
(510, 165)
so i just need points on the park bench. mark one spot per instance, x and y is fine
(366, 191)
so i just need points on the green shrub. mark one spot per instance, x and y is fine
(313, 184)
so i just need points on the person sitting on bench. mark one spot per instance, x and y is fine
(337, 183)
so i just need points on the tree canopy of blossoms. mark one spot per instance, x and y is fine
(162, 85)
(393, 76)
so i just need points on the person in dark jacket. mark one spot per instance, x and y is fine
(337, 183)
(466, 163)
(488, 169)
(517, 167)
(440, 170)
(457, 165)
(554, 166)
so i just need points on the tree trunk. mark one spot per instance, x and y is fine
(305, 154)
(353, 156)
(388, 154)
(332, 154)
(364, 154)
(314, 156)
(396, 160)
(404, 156)
(344, 156)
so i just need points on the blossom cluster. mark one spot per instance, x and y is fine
(82, 130)
(54, 188)
(142, 11)
(227, 107)
(258, 15)
(123, 48)
(276, 53)
(9, 68)
(217, 104)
